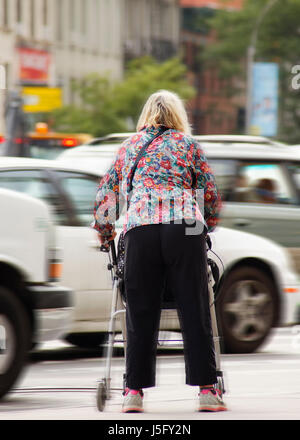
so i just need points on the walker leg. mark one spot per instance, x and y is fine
(111, 337)
(220, 384)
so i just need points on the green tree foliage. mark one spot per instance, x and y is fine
(278, 41)
(105, 106)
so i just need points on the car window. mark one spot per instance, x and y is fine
(35, 184)
(295, 168)
(224, 171)
(82, 191)
(297, 177)
(263, 183)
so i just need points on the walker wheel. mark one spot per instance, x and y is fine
(101, 396)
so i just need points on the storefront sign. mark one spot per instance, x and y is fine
(33, 66)
(41, 99)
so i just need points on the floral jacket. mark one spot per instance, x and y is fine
(172, 181)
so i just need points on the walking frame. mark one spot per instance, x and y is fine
(104, 385)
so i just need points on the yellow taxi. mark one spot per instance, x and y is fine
(43, 143)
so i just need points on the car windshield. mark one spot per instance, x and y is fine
(45, 150)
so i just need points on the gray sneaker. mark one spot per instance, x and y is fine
(210, 400)
(133, 401)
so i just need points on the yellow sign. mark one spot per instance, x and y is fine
(41, 99)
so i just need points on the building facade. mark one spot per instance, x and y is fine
(49, 43)
(151, 27)
(212, 111)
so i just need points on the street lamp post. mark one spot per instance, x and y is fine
(250, 61)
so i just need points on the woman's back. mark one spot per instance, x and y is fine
(172, 180)
(167, 162)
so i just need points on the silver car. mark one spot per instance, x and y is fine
(260, 188)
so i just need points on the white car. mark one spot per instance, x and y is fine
(247, 170)
(258, 288)
(34, 306)
(220, 138)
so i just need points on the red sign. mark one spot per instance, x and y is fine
(34, 66)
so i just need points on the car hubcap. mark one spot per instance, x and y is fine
(248, 310)
(7, 343)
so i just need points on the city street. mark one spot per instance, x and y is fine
(176, 122)
(60, 384)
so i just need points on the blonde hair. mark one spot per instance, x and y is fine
(164, 108)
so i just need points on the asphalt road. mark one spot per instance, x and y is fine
(60, 384)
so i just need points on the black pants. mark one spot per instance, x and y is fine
(154, 254)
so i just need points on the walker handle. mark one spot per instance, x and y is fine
(109, 246)
(104, 248)
(113, 252)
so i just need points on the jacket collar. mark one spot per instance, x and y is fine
(151, 129)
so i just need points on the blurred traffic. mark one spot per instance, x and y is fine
(61, 124)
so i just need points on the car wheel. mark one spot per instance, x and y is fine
(14, 339)
(86, 340)
(246, 309)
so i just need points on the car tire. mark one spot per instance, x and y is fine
(247, 307)
(14, 339)
(86, 340)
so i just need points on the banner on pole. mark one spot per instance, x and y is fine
(264, 99)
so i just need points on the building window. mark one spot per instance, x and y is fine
(84, 6)
(32, 18)
(72, 10)
(96, 13)
(5, 13)
(45, 12)
(59, 20)
(19, 11)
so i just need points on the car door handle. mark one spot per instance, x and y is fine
(242, 222)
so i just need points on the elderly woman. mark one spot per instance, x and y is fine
(174, 202)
